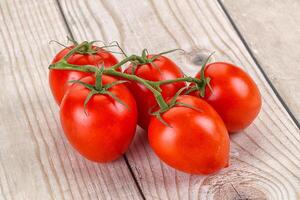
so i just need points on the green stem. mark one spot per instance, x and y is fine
(144, 54)
(127, 59)
(64, 65)
(186, 79)
(160, 100)
(98, 75)
(76, 48)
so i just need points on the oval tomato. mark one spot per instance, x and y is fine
(107, 128)
(59, 79)
(162, 68)
(235, 95)
(197, 141)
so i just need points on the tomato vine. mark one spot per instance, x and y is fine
(153, 86)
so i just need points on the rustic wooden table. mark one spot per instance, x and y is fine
(262, 36)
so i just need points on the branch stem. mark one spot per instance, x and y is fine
(127, 59)
(76, 48)
(160, 100)
(153, 86)
(184, 79)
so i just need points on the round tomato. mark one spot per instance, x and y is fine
(196, 142)
(103, 131)
(234, 95)
(162, 68)
(59, 79)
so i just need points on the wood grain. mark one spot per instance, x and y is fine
(274, 41)
(264, 158)
(36, 161)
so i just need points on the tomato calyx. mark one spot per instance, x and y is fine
(89, 48)
(145, 58)
(205, 81)
(99, 88)
(172, 103)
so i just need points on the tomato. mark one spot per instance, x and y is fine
(235, 96)
(197, 141)
(162, 68)
(107, 128)
(59, 79)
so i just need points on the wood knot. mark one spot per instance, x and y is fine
(198, 56)
(234, 185)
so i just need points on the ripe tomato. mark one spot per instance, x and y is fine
(59, 79)
(107, 128)
(197, 141)
(235, 96)
(162, 68)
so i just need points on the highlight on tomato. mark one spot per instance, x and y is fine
(87, 55)
(233, 94)
(99, 121)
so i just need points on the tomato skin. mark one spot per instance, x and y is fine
(161, 69)
(107, 130)
(235, 95)
(59, 79)
(197, 141)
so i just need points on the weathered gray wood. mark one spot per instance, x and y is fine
(272, 30)
(36, 161)
(265, 159)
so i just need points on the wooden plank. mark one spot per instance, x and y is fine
(36, 161)
(274, 41)
(264, 158)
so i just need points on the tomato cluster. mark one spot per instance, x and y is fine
(187, 124)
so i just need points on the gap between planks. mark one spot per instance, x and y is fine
(124, 156)
(258, 64)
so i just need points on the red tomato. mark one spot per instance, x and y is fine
(105, 132)
(197, 141)
(59, 79)
(162, 68)
(235, 96)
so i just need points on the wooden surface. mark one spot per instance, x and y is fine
(36, 161)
